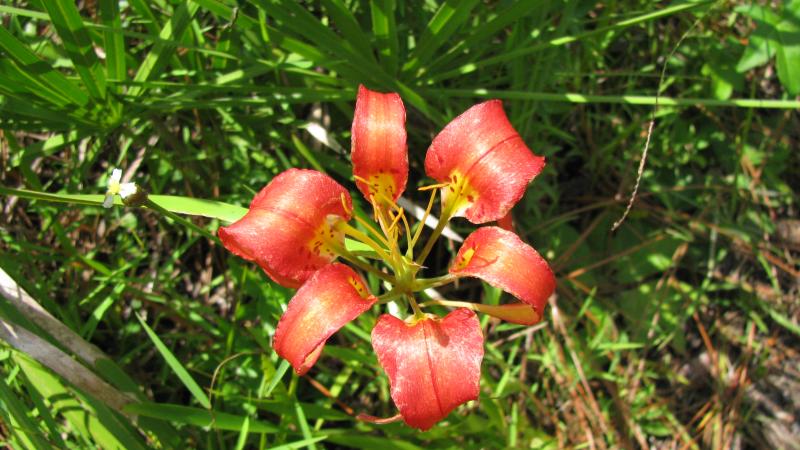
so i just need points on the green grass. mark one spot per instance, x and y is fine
(659, 334)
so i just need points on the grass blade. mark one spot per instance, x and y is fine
(39, 74)
(354, 36)
(162, 51)
(176, 204)
(113, 41)
(67, 22)
(198, 417)
(564, 40)
(448, 18)
(177, 367)
(384, 28)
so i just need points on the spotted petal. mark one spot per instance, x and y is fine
(379, 151)
(500, 258)
(433, 365)
(288, 229)
(333, 296)
(484, 162)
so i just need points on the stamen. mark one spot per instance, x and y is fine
(347, 209)
(421, 225)
(432, 186)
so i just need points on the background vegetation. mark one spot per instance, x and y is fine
(678, 330)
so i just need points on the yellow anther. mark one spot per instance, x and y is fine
(347, 209)
(432, 186)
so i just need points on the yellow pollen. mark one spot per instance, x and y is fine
(359, 287)
(326, 239)
(380, 185)
(458, 192)
(465, 258)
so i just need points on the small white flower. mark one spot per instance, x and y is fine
(124, 190)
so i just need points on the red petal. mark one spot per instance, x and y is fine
(481, 148)
(379, 149)
(281, 230)
(333, 296)
(501, 259)
(507, 222)
(433, 365)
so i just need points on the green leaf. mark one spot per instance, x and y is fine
(162, 50)
(787, 56)
(370, 442)
(384, 29)
(448, 18)
(200, 207)
(177, 367)
(113, 40)
(176, 204)
(39, 74)
(763, 42)
(198, 417)
(69, 25)
(299, 444)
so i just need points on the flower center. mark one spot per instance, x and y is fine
(458, 195)
(327, 238)
(358, 286)
(382, 186)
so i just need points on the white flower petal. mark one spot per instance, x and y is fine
(108, 202)
(116, 175)
(127, 189)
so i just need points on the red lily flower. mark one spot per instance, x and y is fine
(433, 365)
(288, 229)
(500, 258)
(297, 224)
(379, 151)
(484, 162)
(333, 296)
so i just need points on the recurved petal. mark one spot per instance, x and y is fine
(484, 160)
(379, 150)
(433, 365)
(500, 258)
(333, 296)
(288, 228)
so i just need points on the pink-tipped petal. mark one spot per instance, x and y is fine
(433, 365)
(333, 296)
(287, 224)
(500, 258)
(379, 150)
(482, 152)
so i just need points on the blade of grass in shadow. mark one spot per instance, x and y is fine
(564, 40)
(354, 36)
(300, 444)
(448, 18)
(177, 367)
(69, 26)
(198, 417)
(161, 52)
(649, 100)
(179, 205)
(480, 36)
(114, 43)
(21, 424)
(384, 28)
(39, 74)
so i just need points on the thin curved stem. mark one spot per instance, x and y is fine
(362, 237)
(443, 221)
(413, 242)
(344, 253)
(427, 283)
